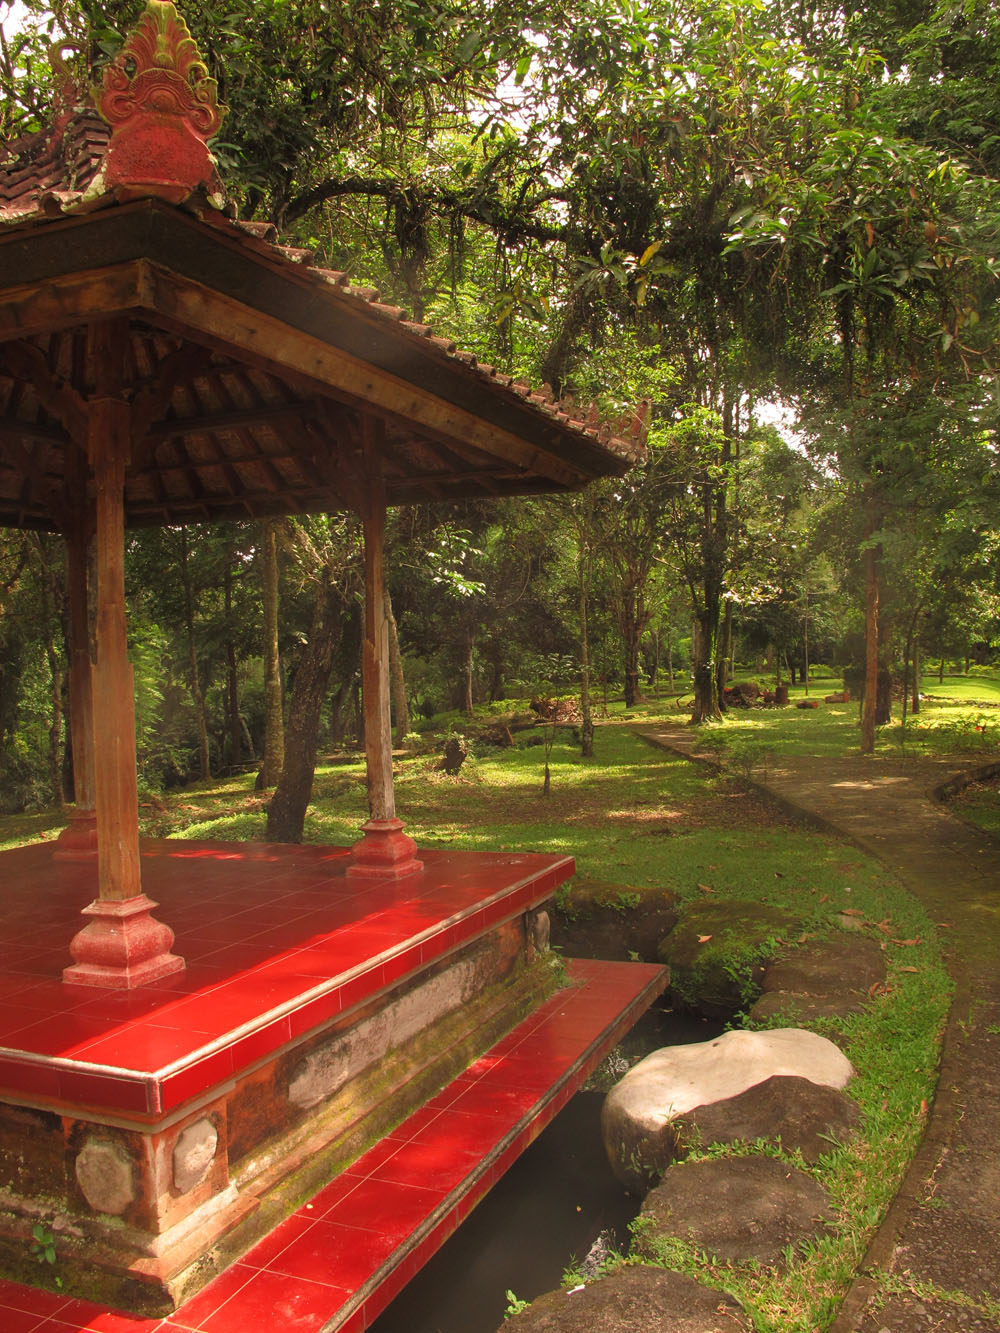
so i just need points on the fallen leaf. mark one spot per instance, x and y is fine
(909, 969)
(907, 943)
(852, 911)
(923, 1106)
(703, 939)
(778, 874)
(705, 888)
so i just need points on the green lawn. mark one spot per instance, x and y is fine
(960, 716)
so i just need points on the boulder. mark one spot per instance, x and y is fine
(826, 966)
(635, 1299)
(736, 1208)
(826, 979)
(639, 1113)
(801, 1008)
(794, 1112)
(718, 952)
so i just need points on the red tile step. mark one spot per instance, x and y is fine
(278, 941)
(333, 1266)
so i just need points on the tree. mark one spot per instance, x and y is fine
(323, 550)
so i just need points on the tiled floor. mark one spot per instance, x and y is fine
(337, 1262)
(277, 940)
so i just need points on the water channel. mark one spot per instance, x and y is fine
(542, 1218)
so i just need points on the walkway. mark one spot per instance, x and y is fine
(935, 1261)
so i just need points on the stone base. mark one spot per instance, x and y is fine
(146, 1214)
(123, 947)
(385, 852)
(78, 840)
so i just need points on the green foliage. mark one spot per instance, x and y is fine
(514, 1305)
(43, 1243)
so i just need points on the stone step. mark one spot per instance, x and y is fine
(335, 1264)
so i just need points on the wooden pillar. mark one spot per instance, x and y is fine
(78, 841)
(384, 850)
(123, 946)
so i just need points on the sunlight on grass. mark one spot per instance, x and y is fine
(961, 717)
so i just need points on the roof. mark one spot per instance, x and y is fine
(249, 367)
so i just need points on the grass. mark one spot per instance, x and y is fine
(979, 803)
(638, 816)
(962, 716)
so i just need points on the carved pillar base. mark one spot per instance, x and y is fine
(385, 852)
(123, 947)
(78, 840)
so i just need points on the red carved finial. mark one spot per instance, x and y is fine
(162, 107)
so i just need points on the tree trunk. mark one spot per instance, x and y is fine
(194, 676)
(338, 712)
(670, 659)
(722, 654)
(51, 597)
(359, 712)
(274, 736)
(287, 811)
(703, 648)
(916, 676)
(232, 676)
(397, 681)
(632, 623)
(805, 644)
(587, 727)
(869, 711)
(468, 662)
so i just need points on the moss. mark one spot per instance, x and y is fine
(718, 952)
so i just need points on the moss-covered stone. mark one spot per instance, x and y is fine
(718, 951)
(594, 918)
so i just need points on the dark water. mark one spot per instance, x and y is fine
(542, 1217)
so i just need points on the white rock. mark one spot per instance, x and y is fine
(676, 1079)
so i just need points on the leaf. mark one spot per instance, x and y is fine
(521, 68)
(703, 939)
(705, 888)
(468, 46)
(852, 911)
(909, 969)
(649, 252)
(907, 942)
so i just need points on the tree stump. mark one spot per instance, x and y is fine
(455, 754)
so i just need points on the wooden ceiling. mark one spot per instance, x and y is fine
(248, 372)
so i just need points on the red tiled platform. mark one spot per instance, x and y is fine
(277, 941)
(337, 1262)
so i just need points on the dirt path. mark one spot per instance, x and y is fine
(935, 1262)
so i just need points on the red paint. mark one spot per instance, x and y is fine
(78, 840)
(342, 1256)
(279, 939)
(124, 946)
(162, 108)
(384, 852)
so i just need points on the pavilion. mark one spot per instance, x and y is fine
(177, 1075)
